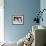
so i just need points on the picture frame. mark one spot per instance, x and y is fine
(18, 20)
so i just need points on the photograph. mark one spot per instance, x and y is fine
(18, 20)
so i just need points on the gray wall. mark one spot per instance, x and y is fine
(43, 6)
(28, 8)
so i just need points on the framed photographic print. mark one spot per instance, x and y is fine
(18, 20)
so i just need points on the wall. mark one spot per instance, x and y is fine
(43, 6)
(28, 8)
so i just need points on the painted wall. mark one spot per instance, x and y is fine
(28, 8)
(43, 6)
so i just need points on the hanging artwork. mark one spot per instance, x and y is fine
(18, 20)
